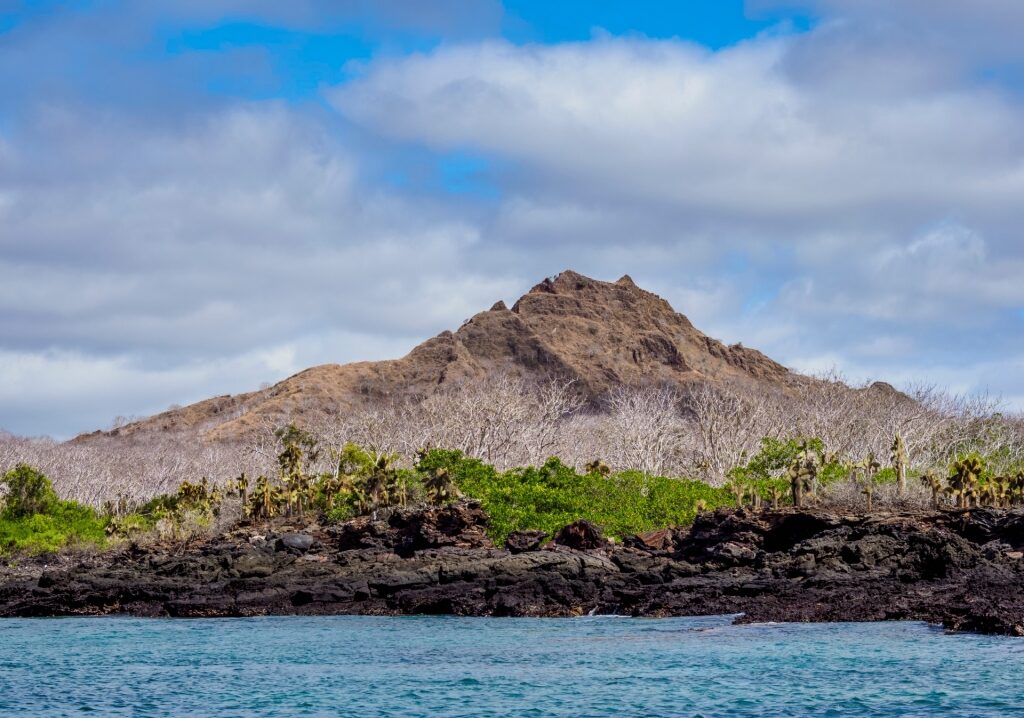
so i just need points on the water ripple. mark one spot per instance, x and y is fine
(462, 667)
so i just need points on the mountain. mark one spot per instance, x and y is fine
(601, 334)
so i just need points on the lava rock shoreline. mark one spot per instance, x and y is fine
(961, 569)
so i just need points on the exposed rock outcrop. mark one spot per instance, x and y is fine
(602, 335)
(962, 569)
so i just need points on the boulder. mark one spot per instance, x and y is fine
(295, 543)
(522, 541)
(660, 540)
(581, 535)
(405, 531)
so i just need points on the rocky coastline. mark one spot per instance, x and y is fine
(961, 569)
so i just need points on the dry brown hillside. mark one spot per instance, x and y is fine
(600, 334)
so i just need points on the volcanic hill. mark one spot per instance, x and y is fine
(600, 334)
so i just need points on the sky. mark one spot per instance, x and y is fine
(198, 197)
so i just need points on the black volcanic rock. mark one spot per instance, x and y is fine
(520, 541)
(298, 543)
(581, 535)
(963, 569)
(405, 531)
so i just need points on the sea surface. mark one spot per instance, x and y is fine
(359, 666)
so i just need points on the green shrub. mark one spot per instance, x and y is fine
(885, 476)
(67, 523)
(28, 492)
(548, 497)
(766, 470)
(34, 520)
(130, 525)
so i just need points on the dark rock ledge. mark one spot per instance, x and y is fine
(963, 569)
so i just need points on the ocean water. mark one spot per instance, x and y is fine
(443, 666)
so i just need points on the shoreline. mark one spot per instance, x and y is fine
(961, 570)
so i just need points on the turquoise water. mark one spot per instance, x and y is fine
(359, 666)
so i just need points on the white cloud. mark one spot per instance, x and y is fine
(846, 197)
(730, 133)
(876, 207)
(182, 261)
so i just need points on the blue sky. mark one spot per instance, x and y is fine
(197, 197)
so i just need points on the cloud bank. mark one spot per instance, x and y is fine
(846, 195)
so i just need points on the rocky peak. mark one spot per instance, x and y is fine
(601, 335)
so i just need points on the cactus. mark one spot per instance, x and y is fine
(398, 490)
(900, 459)
(864, 473)
(934, 483)
(439, 486)
(775, 494)
(965, 479)
(1017, 487)
(802, 474)
(871, 466)
(738, 491)
(265, 502)
(597, 466)
(377, 488)
(1000, 491)
(242, 488)
(292, 476)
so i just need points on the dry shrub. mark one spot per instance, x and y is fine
(508, 421)
(848, 496)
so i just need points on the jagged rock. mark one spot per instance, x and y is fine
(552, 331)
(581, 535)
(463, 525)
(962, 569)
(995, 549)
(659, 540)
(520, 541)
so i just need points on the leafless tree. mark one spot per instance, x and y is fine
(728, 423)
(701, 432)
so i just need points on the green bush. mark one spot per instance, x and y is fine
(130, 525)
(28, 492)
(34, 520)
(766, 470)
(885, 476)
(548, 497)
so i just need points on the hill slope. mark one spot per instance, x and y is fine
(601, 334)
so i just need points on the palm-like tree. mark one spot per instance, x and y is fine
(265, 501)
